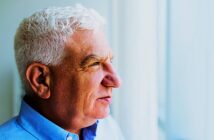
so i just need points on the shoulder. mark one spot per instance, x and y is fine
(108, 129)
(9, 127)
(11, 130)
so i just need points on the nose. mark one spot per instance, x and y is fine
(111, 79)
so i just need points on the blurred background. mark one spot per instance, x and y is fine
(164, 54)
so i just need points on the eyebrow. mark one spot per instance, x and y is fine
(93, 57)
(88, 58)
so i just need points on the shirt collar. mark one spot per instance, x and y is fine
(41, 128)
(89, 133)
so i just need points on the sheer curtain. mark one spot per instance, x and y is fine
(134, 26)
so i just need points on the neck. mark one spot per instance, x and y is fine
(41, 105)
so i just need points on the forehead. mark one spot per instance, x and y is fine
(85, 43)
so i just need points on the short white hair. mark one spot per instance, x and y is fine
(43, 36)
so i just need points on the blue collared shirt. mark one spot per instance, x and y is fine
(30, 125)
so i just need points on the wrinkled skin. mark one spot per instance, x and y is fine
(81, 85)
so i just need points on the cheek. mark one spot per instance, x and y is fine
(91, 80)
(91, 85)
(94, 89)
(94, 79)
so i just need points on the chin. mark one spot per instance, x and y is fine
(102, 116)
(103, 113)
(97, 116)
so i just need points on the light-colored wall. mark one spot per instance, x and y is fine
(11, 14)
(190, 94)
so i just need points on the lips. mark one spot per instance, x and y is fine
(105, 99)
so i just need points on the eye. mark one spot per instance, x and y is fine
(95, 64)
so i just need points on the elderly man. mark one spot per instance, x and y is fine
(65, 67)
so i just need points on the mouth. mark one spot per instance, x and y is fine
(105, 99)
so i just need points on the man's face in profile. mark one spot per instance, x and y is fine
(83, 82)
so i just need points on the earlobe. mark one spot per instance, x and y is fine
(38, 77)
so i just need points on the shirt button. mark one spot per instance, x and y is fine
(69, 138)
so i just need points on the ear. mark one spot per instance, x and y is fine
(38, 77)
